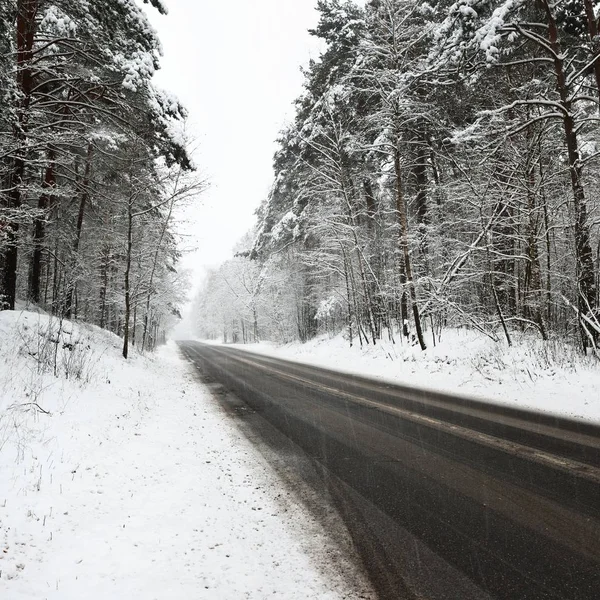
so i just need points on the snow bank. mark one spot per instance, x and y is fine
(532, 374)
(125, 480)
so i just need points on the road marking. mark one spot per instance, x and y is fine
(565, 464)
(478, 412)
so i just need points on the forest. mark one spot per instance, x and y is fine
(441, 170)
(93, 165)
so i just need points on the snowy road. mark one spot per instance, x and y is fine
(445, 498)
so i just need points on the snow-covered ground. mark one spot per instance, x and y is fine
(125, 480)
(534, 375)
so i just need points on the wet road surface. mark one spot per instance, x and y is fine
(445, 498)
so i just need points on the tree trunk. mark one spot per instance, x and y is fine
(26, 23)
(548, 248)
(39, 231)
(421, 184)
(402, 216)
(378, 309)
(55, 280)
(593, 32)
(85, 193)
(153, 272)
(533, 272)
(134, 325)
(497, 304)
(255, 323)
(586, 293)
(127, 275)
(104, 265)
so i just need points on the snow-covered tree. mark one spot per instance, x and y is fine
(441, 171)
(82, 124)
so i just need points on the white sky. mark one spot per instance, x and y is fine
(235, 65)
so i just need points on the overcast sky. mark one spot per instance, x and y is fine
(236, 67)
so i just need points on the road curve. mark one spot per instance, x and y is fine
(446, 498)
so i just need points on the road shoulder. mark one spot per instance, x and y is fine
(141, 487)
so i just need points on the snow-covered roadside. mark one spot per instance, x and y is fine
(533, 375)
(137, 486)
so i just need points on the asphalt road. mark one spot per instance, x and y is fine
(446, 498)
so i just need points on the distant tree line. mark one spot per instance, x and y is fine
(93, 162)
(442, 170)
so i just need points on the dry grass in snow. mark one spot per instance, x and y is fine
(125, 480)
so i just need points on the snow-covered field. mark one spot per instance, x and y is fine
(533, 375)
(125, 480)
